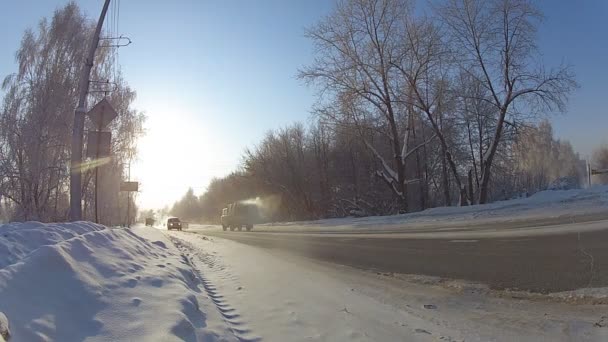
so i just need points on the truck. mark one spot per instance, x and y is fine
(238, 215)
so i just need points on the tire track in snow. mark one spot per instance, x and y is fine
(230, 314)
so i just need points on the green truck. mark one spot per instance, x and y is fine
(238, 215)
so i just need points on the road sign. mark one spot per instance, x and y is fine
(129, 186)
(98, 144)
(102, 114)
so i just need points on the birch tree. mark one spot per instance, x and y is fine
(36, 118)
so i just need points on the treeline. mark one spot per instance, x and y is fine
(321, 172)
(36, 124)
(414, 111)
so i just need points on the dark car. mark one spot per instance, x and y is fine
(174, 223)
(149, 221)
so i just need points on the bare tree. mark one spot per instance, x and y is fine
(494, 42)
(355, 48)
(423, 61)
(443, 102)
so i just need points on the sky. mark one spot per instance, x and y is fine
(213, 76)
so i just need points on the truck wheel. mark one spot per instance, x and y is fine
(224, 227)
(240, 228)
(231, 228)
(249, 227)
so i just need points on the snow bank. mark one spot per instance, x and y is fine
(19, 239)
(584, 295)
(77, 281)
(544, 204)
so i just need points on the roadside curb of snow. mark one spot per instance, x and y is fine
(582, 296)
(95, 279)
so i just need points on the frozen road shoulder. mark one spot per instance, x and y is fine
(575, 257)
(281, 296)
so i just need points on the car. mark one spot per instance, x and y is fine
(174, 223)
(150, 221)
(238, 215)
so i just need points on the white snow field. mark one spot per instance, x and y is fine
(82, 281)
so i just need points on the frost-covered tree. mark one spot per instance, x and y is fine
(356, 46)
(540, 159)
(600, 161)
(36, 120)
(187, 208)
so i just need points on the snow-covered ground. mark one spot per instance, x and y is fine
(82, 281)
(546, 207)
(281, 297)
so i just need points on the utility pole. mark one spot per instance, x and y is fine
(78, 128)
(97, 169)
(588, 174)
(129, 199)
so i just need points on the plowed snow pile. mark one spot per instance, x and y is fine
(543, 205)
(83, 281)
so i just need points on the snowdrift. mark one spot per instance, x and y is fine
(77, 281)
(543, 204)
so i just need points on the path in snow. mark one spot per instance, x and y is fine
(204, 263)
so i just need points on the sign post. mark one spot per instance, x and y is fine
(593, 172)
(99, 142)
(102, 113)
(129, 187)
(588, 174)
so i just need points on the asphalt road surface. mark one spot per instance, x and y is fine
(541, 262)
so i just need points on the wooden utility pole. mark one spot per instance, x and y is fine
(129, 200)
(78, 128)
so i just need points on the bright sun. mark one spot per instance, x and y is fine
(172, 156)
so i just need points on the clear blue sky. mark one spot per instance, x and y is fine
(220, 73)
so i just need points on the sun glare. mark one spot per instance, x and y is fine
(171, 154)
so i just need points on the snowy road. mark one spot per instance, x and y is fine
(547, 259)
(271, 295)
